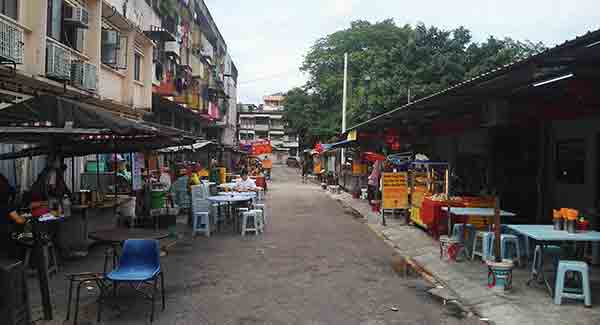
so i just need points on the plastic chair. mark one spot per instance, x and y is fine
(560, 291)
(139, 263)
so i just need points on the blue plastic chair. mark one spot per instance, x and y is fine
(139, 263)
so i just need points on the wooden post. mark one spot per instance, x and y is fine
(497, 230)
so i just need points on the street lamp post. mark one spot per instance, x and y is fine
(367, 81)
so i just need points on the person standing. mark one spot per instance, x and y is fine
(305, 170)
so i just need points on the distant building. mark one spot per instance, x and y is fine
(265, 122)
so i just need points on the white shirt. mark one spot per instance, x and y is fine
(247, 184)
(165, 179)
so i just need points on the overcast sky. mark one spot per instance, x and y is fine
(268, 38)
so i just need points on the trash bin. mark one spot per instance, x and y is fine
(158, 199)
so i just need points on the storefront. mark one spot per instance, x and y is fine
(526, 132)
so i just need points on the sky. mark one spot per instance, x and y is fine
(267, 39)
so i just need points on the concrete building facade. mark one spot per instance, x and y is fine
(266, 122)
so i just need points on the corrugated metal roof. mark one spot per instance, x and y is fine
(591, 38)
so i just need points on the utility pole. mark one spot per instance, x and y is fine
(344, 103)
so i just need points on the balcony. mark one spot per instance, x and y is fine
(277, 126)
(173, 48)
(58, 61)
(261, 127)
(11, 42)
(84, 75)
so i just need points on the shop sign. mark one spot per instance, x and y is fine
(395, 190)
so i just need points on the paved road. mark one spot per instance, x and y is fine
(314, 265)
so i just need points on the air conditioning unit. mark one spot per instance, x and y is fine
(77, 16)
(58, 62)
(83, 75)
(11, 42)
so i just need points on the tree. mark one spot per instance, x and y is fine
(396, 59)
(302, 114)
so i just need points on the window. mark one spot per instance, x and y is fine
(10, 8)
(71, 35)
(137, 66)
(114, 49)
(54, 23)
(570, 161)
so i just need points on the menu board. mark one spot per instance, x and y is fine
(395, 190)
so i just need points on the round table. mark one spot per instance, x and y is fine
(250, 194)
(120, 235)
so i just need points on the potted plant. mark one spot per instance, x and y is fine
(499, 270)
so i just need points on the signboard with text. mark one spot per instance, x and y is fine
(395, 190)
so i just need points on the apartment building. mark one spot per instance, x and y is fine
(266, 122)
(161, 61)
(194, 78)
(84, 49)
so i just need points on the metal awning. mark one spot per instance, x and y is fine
(159, 34)
(192, 147)
(37, 117)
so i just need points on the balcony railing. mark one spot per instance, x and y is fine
(11, 42)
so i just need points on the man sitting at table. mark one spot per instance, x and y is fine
(245, 184)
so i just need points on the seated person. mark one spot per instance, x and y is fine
(245, 184)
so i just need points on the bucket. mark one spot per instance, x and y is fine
(500, 275)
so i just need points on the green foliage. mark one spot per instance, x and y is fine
(395, 58)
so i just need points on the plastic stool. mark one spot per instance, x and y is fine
(506, 239)
(259, 219)
(249, 222)
(459, 231)
(485, 238)
(261, 206)
(573, 293)
(201, 223)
